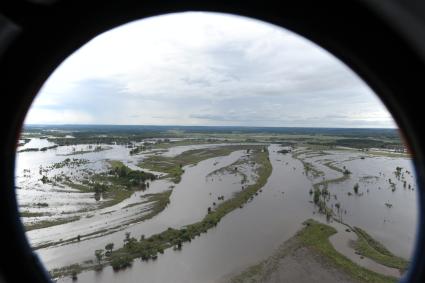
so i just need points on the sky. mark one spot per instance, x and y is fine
(208, 69)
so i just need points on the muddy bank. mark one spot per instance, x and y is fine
(301, 265)
(307, 257)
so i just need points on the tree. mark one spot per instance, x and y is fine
(121, 262)
(99, 188)
(127, 237)
(338, 206)
(122, 172)
(44, 179)
(109, 247)
(356, 188)
(74, 276)
(316, 196)
(99, 255)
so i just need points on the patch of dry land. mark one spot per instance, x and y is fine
(308, 257)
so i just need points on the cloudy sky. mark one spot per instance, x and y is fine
(205, 69)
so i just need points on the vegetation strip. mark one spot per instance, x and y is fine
(90, 150)
(173, 166)
(49, 223)
(321, 194)
(166, 144)
(33, 214)
(116, 185)
(308, 167)
(370, 248)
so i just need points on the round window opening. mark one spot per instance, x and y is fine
(204, 147)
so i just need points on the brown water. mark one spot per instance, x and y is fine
(252, 233)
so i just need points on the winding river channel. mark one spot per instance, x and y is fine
(244, 236)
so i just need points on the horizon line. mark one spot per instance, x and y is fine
(212, 126)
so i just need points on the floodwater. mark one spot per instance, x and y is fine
(367, 209)
(189, 202)
(244, 236)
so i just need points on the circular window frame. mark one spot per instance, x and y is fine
(36, 36)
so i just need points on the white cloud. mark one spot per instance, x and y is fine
(204, 68)
(63, 116)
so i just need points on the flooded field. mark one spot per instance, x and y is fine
(205, 210)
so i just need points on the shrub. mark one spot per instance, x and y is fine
(121, 262)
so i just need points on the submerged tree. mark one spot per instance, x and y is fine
(316, 196)
(356, 188)
(99, 255)
(127, 237)
(338, 206)
(109, 247)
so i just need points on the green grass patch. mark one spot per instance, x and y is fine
(388, 154)
(135, 204)
(168, 144)
(330, 165)
(324, 184)
(308, 166)
(115, 185)
(316, 236)
(115, 196)
(161, 200)
(77, 186)
(369, 247)
(116, 164)
(50, 223)
(32, 214)
(96, 149)
(173, 166)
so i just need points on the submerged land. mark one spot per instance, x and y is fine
(259, 204)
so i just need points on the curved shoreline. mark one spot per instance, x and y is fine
(341, 242)
(308, 256)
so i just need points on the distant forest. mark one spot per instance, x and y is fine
(146, 129)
